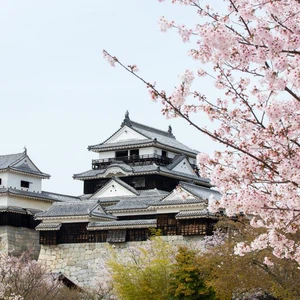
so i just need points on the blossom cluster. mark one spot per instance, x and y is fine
(254, 48)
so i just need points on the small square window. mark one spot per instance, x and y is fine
(25, 184)
(0, 181)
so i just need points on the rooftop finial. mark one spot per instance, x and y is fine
(170, 129)
(126, 120)
(25, 150)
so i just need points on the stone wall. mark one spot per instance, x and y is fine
(19, 239)
(78, 262)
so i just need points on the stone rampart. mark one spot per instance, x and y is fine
(78, 262)
(17, 240)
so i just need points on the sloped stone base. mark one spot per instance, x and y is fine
(78, 262)
(17, 240)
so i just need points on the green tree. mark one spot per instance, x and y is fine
(258, 272)
(188, 282)
(143, 272)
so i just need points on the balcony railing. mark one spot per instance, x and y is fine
(132, 160)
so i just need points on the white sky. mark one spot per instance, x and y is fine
(58, 95)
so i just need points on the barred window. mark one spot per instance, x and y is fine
(193, 226)
(48, 237)
(116, 236)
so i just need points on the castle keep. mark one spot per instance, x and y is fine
(141, 179)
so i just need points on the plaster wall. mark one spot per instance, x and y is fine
(3, 200)
(126, 133)
(184, 167)
(78, 262)
(4, 179)
(28, 203)
(107, 154)
(13, 180)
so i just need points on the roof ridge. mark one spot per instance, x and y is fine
(143, 126)
(195, 185)
(60, 194)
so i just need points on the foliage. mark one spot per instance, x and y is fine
(251, 51)
(255, 273)
(187, 281)
(143, 272)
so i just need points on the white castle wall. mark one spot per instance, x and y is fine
(78, 262)
(13, 180)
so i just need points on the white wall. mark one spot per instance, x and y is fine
(155, 150)
(3, 200)
(14, 180)
(147, 150)
(4, 178)
(184, 167)
(107, 154)
(125, 134)
(27, 203)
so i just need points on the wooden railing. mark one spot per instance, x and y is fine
(132, 160)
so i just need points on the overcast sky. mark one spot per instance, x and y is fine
(58, 95)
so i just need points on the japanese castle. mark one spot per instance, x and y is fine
(142, 180)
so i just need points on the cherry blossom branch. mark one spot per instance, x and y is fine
(162, 95)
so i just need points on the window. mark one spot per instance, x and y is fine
(25, 184)
(0, 181)
(164, 153)
(193, 227)
(116, 236)
(167, 224)
(134, 152)
(121, 153)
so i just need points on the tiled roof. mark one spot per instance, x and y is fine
(7, 160)
(74, 209)
(48, 226)
(143, 169)
(153, 135)
(134, 203)
(44, 196)
(122, 224)
(177, 202)
(200, 191)
(177, 159)
(153, 192)
(190, 214)
(121, 145)
(163, 137)
(125, 185)
(60, 197)
(10, 161)
(19, 210)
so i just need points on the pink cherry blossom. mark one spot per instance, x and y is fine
(250, 50)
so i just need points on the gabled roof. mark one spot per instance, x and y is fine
(43, 196)
(200, 191)
(134, 203)
(48, 226)
(112, 201)
(177, 159)
(21, 163)
(120, 182)
(74, 209)
(196, 195)
(153, 137)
